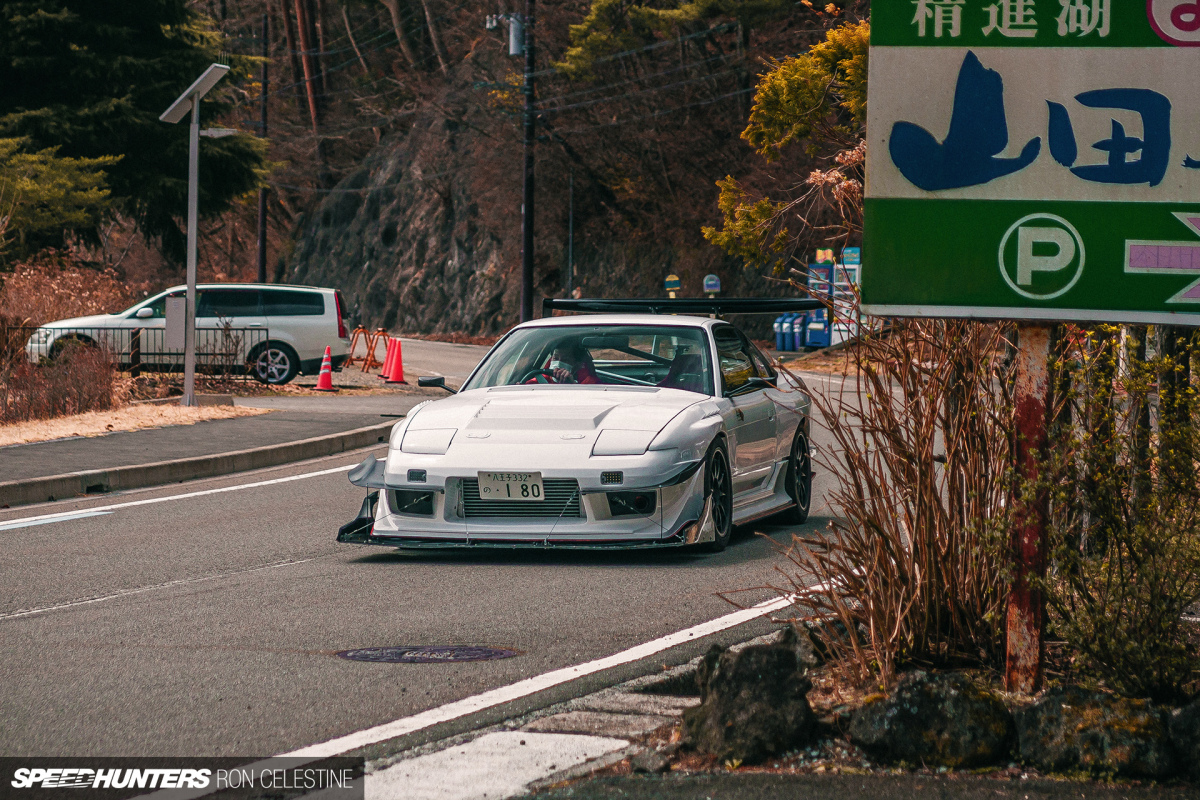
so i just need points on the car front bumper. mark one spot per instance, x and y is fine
(681, 518)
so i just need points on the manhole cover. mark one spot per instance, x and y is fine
(433, 654)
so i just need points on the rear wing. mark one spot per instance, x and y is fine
(686, 305)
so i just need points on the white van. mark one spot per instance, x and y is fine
(297, 323)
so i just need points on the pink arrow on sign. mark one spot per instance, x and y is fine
(1169, 258)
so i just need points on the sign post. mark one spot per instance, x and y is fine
(672, 284)
(1039, 161)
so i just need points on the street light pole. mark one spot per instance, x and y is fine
(187, 102)
(189, 325)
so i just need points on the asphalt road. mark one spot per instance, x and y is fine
(209, 624)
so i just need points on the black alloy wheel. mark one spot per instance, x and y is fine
(799, 478)
(718, 489)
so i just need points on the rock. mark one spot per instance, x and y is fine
(1072, 729)
(801, 641)
(1184, 728)
(649, 761)
(937, 720)
(754, 704)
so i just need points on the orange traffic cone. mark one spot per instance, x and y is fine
(395, 374)
(388, 354)
(325, 379)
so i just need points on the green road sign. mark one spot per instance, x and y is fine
(1034, 159)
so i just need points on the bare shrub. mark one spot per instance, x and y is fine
(1125, 522)
(60, 288)
(82, 378)
(914, 564)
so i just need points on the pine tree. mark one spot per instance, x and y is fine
(90, 78)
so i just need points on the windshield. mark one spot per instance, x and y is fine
(620, 355)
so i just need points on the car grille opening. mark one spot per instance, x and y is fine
(418, 504)
(627, 504)
(612, 478)
(562, 500)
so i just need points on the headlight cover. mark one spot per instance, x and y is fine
(431, 441)
(622, 443)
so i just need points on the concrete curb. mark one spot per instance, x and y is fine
(201, 400)
(99, 481)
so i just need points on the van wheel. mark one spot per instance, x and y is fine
(274, 363)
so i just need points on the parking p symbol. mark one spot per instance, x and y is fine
(1043, 260)
(1029, 262)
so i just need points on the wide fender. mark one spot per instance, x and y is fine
(691, 431)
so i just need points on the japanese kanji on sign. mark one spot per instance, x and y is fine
(1034, 159)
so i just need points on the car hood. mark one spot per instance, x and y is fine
(559, 409)
(94, 321)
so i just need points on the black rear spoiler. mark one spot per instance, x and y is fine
(686, 305)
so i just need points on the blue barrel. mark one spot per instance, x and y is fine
(779, 332)
(789, 340)
(799, 324)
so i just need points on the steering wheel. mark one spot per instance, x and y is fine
(539, 376)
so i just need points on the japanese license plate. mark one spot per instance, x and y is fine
(517, 486)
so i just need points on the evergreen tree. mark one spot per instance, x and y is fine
(91, 77)
(42, 194)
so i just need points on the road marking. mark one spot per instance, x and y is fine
(492, 767)
(98, 510)
(29, 612)
(27, 523)
(495, 697)
(529, 686)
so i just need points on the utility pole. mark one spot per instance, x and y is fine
(527, 190)
(571, 233)
(520, 40)
(262, 192)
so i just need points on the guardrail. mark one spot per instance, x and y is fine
(219, 350)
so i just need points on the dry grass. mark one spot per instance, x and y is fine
(54, 289)
(914, 564)
(130, 418)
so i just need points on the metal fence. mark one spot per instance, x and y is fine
(225, 351)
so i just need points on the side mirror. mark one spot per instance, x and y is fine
(144, 313)
(434, 382)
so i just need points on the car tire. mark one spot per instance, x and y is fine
(718, 487)
(63, 342)
(799, 479)
(274, 363)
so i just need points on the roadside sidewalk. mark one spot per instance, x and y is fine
(203, 449)
(614, 744)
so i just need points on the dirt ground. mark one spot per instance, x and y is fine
(129, 418)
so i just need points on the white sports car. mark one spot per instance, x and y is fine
(606, 431)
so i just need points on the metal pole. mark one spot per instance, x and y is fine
(262, 192)
(571, 235)
(527, 190)
(189, 325)
(1026, 605)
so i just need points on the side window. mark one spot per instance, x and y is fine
(292, 303)
(228, 303)
(762, 365)
(736, 366)
(159, 306)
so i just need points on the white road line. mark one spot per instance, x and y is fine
(65, 515)
(529, 686)
(495, 697)
(492, 767)
(27, 523)
(29, 612)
